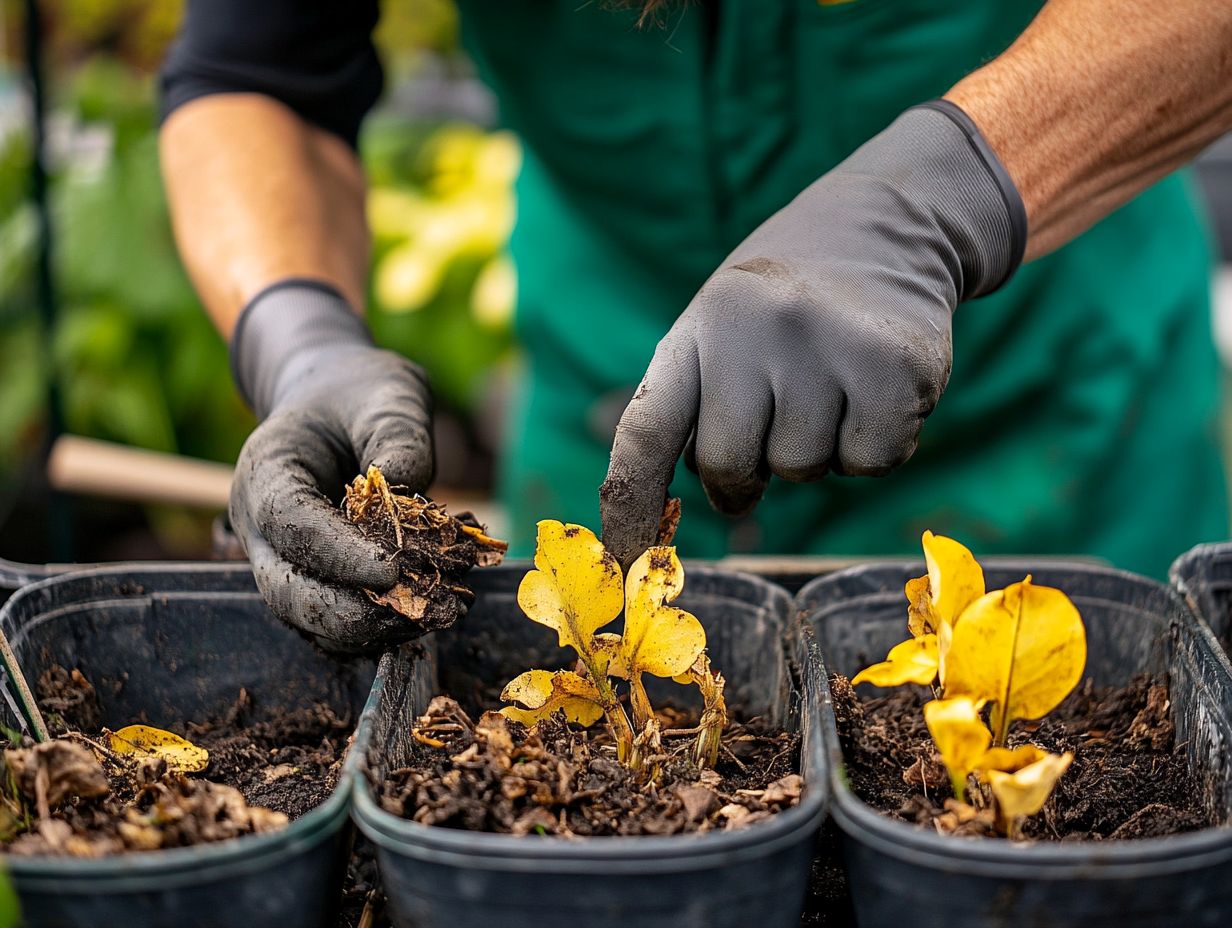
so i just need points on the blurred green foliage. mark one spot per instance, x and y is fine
(135, 357)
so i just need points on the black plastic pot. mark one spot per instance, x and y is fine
(443, 878)
(184, 638)
(904, 875)
(1203, 576)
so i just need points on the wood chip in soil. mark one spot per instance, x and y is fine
(1129, 778)
(496, 776)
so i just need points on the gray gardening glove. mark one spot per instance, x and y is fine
(331, 404)
(823, 341)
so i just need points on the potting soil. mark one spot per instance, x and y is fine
(74, 796)
(1129, 778)
(494, 775)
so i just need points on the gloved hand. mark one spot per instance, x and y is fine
(331, 404)
(823, 341)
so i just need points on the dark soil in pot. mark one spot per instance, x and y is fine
(498, 776)
(266, 767)
(1129, 778)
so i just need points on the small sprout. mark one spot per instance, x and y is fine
(1022, 648)
(910, 661)
(960, 735)
(144, 741)
(575, 589)
(543, 693)
(658, 639)
(1023, 792)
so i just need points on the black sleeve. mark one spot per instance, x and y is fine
(316, 56)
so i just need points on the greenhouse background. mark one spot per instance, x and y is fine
(131, 358)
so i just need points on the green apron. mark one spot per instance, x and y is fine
(1081, 414)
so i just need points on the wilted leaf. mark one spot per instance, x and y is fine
(658, 639)
(910, 661)
(542, 693)
(936, 600)
(1022, 648)
(144, 741)
(1025, 791)
(960, 735)
(576, 587)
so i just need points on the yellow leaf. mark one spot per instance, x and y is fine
(960, 735)
(955, 580)
(910, 661)
(1022, 648)
(144, 741)
(1025, 791)
(543, 693)
(576, 588)
(1010, 760)
(658, 639)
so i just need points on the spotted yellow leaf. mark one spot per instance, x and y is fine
(542, 693)
(1023, 649)
(145, 741)
(658, 639)
(960, 735)
(1025, 791)
(575, 588)
(910, 661)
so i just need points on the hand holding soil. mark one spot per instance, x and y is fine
(431, 549)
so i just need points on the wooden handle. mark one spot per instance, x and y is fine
(100, 468)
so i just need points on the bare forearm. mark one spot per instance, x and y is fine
(1100, 98)
(257, 195)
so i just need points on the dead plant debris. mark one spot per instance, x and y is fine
(77, 796)
(495, 775)
(433, 549)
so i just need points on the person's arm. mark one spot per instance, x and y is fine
(262, 105)
(259, 194)
(1099, 99)
(824, 340)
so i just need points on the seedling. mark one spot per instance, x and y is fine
(990, 658)
(576, 589)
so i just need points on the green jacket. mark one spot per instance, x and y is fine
(1080, 417)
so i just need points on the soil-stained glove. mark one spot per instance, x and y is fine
(331, 404)
(823, 341)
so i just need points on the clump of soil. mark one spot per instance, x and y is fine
(497, 776)
(1129, 778)
(432, 549)
(74, 796)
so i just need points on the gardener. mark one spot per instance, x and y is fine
(1080, 414)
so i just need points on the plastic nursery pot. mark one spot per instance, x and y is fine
(901, 874)
(184, 638)
(443, 878)
(1203, 576)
